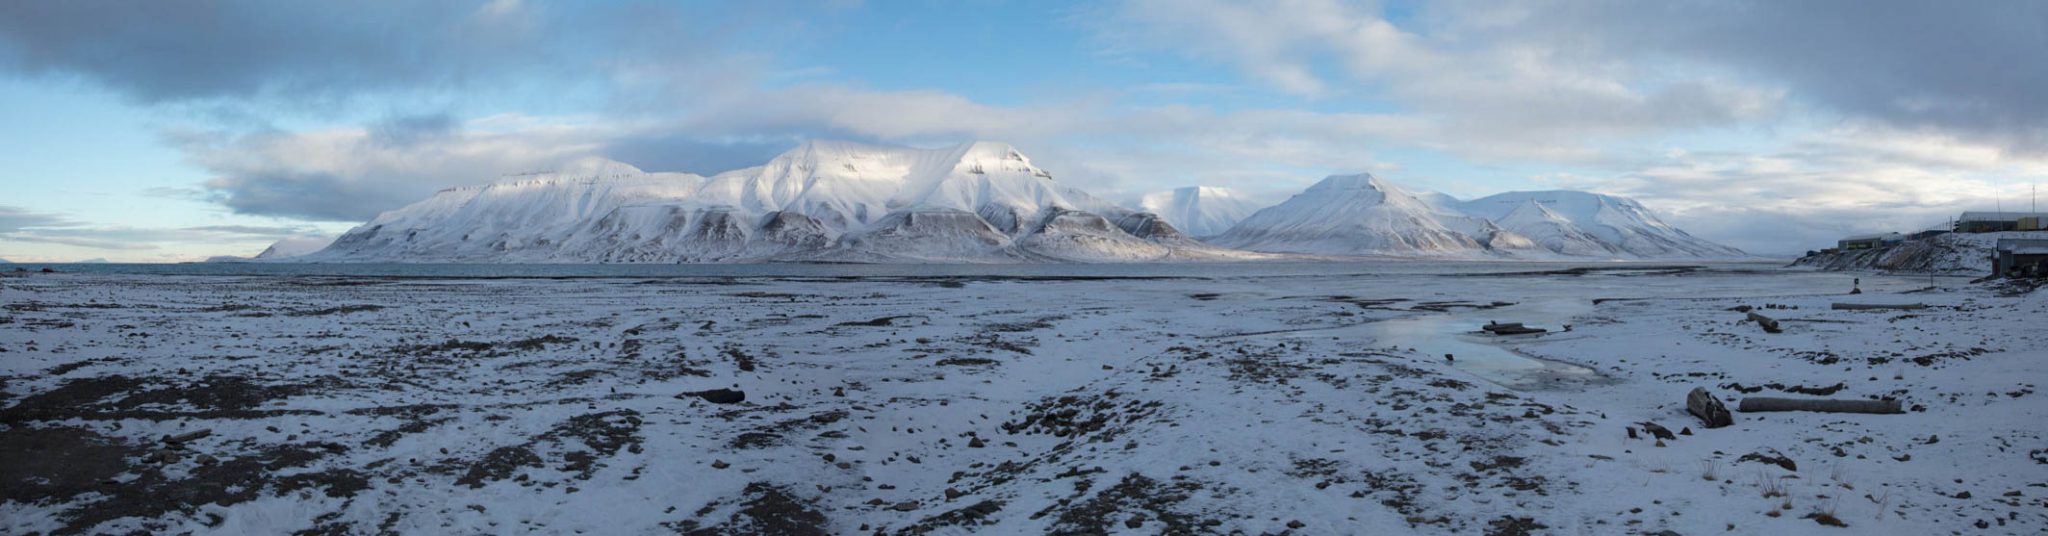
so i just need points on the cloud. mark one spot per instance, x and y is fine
(1968, 69)
(23, 226)
(1822, 186)
(256, 230)
(93, 243)
(13, 219)
(351, 174)
(1480, 95)
(158, 52)
(314, 55)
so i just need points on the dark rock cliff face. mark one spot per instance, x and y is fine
(793, 231)
(929, 231)
(1148, 226)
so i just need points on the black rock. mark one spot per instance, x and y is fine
(718, 396)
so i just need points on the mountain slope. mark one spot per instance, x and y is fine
(1616, 225)
(1554, 231)
(1363, 215)
(1199, 210)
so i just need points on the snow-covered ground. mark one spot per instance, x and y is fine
(1310, 404)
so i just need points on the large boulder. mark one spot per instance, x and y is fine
(1709, 409)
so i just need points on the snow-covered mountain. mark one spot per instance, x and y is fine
(1364, 215)
(1349, 215)
(1589, 224)
(293, 246)
(975, 202)
(1201, 211)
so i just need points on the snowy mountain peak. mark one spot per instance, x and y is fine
(1350, 215)
(597, 166)
(1360, 183)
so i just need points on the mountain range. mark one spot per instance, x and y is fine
(829, 201)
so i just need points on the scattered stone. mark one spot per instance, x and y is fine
(1828, 519)
(188, 436)
(719, 464)
(905, 506)
(1773, 458)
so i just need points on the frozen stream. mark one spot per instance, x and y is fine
(1478, 353)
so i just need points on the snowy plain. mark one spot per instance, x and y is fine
(1187, 399)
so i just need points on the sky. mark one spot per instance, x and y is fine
(178, 131)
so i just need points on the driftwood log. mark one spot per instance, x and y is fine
(1871, 306)
(1709, 409)
(1510, 328)
(1769, 324)
(1820, 405)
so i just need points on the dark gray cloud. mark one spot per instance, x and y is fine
(686, 153)
(169, 51)
(413, 129)
(1976, 69)
(294, 53)
(311, 195)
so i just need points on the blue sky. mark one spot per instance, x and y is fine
(177, 131)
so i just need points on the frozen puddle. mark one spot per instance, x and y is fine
(1452, 333)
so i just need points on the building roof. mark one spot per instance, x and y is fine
(2015, 244)
(2030, 251)
(1985, 215)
